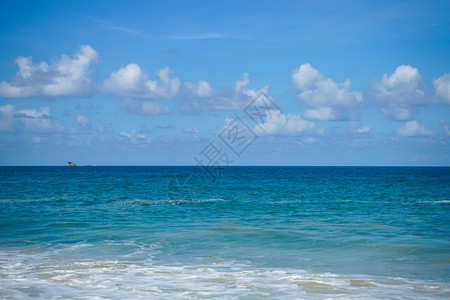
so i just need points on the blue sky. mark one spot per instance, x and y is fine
(162, 82)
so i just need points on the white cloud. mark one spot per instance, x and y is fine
(235, 98)
(43, 112)
(131, 82)
(322, 114)
(202, 89)
(398, 113)
(442, 87)
(306, 141)
(145, 107)
(193, 131)
(66, 77)
(399, 92)
(29, 120)
(414, 128)
(277, 123)
(326, 99)
(134, 137)
(364, 129)
(83, 121)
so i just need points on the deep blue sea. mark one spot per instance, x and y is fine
(247, 233)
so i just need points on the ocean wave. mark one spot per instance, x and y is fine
(132, 202)
(6, 201)
(435, 201)
(43, 276)
(119, 202)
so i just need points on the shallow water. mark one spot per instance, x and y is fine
(253, 232)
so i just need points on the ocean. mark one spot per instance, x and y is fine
(240, 233)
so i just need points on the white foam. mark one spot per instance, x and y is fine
(435, 201)
(6, 201)
(49, 275)
(138, 202)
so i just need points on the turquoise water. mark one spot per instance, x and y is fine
(254, 232)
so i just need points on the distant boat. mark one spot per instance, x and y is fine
(72, 164)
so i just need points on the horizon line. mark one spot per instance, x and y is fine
(338, 166)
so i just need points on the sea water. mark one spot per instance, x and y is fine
(239, 233)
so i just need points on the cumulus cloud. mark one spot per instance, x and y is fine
(277, 123)
(414, 128)
(202, 89)
(364, 129)
(66, 77)
(322, 114)
(399, 93)
(325, 99)
(132, 82)
(395, 112)
(234, 98)
(442, 87)
(134, 137)
(29, 120)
